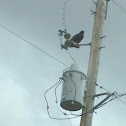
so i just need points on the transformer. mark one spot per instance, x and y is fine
(74, 82)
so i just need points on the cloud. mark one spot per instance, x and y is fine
(15, 108)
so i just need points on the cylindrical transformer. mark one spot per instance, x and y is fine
(74, 82)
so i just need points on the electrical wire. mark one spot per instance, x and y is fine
(125, 13)
(50, 89)
(75, 114)
(69, 120)
(48, 104)
(97, 97)
(108, 92)
(66, 69)
(119, 6)
(107, 102)
(64, 14)
(64, 114)
(56, 91)
(33, 45)
(59, 118)
(102, 87)
(71, 57)
(57, 105)
(74, 86)
(120, 99)
(97, 90)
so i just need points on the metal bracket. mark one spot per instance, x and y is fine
(102, 37)
(97, 95)
(73, 45)
(100, 103)
(93, 12)
(61, 32)
(94, 2)
(101, 47)
(106, 8)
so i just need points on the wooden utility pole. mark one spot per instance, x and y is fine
(86, 119)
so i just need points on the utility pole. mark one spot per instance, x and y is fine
(97, 35)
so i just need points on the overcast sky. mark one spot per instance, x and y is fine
(26, 73)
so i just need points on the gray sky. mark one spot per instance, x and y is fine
(26, 73)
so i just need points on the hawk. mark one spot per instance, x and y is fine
(78, 37)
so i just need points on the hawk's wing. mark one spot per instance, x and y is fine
(77, 38)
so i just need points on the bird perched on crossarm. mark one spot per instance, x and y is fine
(78, 37)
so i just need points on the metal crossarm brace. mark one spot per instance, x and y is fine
(95, 107)
(101, 94)
(106, 8)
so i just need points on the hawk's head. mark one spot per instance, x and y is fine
(82, 32)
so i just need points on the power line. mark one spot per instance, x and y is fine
(119, 6)
(114, 98)
(64, 114)
(120, 99)
(71, 57)
(33, 45)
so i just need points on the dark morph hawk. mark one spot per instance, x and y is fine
(78, 37)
